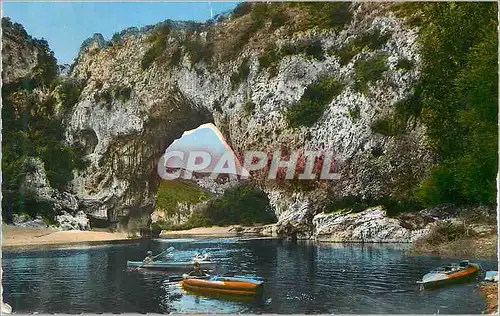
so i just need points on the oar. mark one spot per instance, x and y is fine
(169, 249)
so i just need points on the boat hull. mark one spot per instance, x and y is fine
(162, 265)
(223, 285)
(437, 280)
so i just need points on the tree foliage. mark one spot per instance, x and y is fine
(171, 192)
(31, 127)
(459, 96)
(159, 43)
(245, 204)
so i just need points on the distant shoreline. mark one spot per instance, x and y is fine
(214, 231)
(21, 237)
(474, 247)
(13, 236)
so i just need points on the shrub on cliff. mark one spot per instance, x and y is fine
(248, 107)
(241, 74)
(405, 64)
(243, 8)
(391, 126)
(326, 15)
(373, 40)
(46, 69)
(369, 70)
(159, 44)
(70, 91)
(122, 93)
(313, 103)
(311, 48)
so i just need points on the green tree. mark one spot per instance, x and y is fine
(459, 96)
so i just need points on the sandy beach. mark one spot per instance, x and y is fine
(202, 231)
(219, 231)
(13, 236)
(19, 236)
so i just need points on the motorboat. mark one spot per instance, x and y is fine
(449, 274)
(491, 276)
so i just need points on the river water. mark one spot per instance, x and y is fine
(299, 278)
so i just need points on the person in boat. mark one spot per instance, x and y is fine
(197, 270)
(149, 258)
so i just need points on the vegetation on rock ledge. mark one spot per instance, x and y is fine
(369, 70)
(313, 103)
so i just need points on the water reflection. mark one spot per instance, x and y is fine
(299, 278)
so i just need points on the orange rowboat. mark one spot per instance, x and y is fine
(223, 285)
(449, 274)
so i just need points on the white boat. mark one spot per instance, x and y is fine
(491, 276)
(449, 274)
(203, 261)
(171, 265)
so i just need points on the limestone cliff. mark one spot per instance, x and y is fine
(32, 109)
(19, 52)
(144, 87)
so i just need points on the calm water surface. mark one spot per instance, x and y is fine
(299, 278)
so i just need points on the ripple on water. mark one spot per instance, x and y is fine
(300, 278)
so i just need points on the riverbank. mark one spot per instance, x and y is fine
(201, 231)
(464, 247)
(219, 231)
(490, 292)
(473, 247)
(13, 236)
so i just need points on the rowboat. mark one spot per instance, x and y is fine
(171, 265)
(449, 274)
(223, 285)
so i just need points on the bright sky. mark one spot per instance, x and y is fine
(205, 138)
(66, 25)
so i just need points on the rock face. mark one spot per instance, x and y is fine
(129, 113)
(295, 213)
(19, 53)
(67, 221)
(181, 216)
(36, 185)
(371, 225)
(26, 221)
(129, 134)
